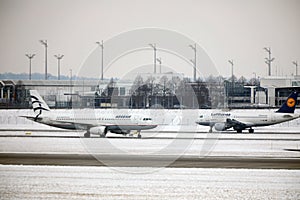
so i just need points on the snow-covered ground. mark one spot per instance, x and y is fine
(58, 182)
(189, 147)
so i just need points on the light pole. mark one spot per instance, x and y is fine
(59, 57)
(30, 56)
(231, 63)
(269, 60)
(194, 61)
(154, 48)
(296, 65)
(159, 61)
(45, 43)
(102, 51)
(70, 102)
(232, 81)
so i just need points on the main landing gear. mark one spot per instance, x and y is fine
(251, 130)
(87, 134)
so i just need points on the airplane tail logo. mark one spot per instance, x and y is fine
(38, 104)
(290, 104)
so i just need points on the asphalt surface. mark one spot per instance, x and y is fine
(256, 151)
(148, 161)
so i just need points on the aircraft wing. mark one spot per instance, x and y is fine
(236, 124)
(82, 125)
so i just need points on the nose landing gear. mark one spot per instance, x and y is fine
(210, 129)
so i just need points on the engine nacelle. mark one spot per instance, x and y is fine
(99, 130)
(220, 126)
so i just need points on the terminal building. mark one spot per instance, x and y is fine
(270, 91)
(159, 91)
(57, 94)
(278, 88)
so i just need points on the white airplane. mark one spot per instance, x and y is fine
(247, 119)
(96, 123)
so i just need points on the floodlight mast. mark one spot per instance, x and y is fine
(30, 57)
(71, 90)
(45, 43)
(296, 65)
(159, 61)
(59, 57)
(232, 81)
(102, 52)
(269, 60)
(231, 63)
(154, 48)
(194, 48)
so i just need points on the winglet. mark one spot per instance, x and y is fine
(290, 104)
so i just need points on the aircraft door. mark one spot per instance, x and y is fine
(136, 119)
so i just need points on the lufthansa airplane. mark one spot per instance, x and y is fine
(248, 119)
(96, 123)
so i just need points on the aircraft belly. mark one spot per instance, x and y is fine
(131, 127)
(254, 121)
(205, 123)
(65, 125)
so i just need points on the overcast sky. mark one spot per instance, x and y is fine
(225, 29)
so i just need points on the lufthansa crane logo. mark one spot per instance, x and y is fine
(291, 102)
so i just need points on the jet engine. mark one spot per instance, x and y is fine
(99, 130)
(220, 126)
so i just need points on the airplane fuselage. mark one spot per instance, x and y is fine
(86, 121)
(249, 118)
(97, 122)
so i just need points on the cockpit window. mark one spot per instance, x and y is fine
(201, 116)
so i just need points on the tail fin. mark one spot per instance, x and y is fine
(290, 104)
(38, 103)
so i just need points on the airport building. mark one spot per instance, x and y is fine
(149, 91)
(278, 88)
(270, 91)
(58, 94)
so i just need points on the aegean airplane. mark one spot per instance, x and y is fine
(96, 123)
(239, 121)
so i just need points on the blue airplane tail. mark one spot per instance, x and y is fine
(290, 104)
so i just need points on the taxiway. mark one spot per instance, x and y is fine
(155, 149)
